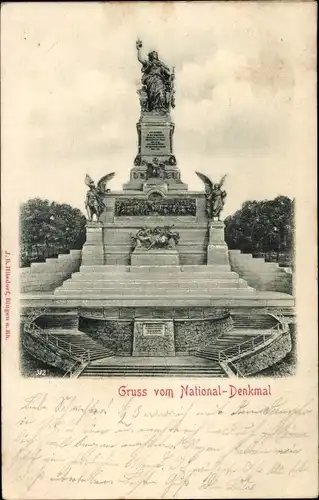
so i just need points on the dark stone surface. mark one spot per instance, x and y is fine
(45, 356)
(287, 366)
(58, 321)
(114, 335)
(267, 357)
(153, 345)
(190, 335)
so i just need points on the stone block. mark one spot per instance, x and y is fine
(206, 269)
(104, 269)
(217, 254)
(43, 277)
(153, 337)
(116, 259)
(167, 270)
(155, 257)
(93, 249)
(216, 233)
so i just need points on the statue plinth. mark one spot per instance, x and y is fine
(93, 248)
(155, 257)
(155, 158)
(217, 250)
(155, 134)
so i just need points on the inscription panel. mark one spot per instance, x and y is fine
(155, 141)
(151, 329)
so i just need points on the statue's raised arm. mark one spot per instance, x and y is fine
(139, 46)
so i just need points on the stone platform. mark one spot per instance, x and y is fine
(148, 281)
(257, 300)
(157, 286)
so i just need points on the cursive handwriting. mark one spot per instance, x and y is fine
(158, 452)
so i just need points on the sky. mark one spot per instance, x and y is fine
(245, 87)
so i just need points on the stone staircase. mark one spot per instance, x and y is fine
(48, 275)
(149, 367)
(253, 322)
(158, 281)
(79, 342)
(262, 275)
(245, 328)
(232, 339)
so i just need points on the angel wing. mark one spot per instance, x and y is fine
(88, 181)
(208, 183)
(104, 180)
(222, 180)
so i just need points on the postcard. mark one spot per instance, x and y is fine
(159, 321)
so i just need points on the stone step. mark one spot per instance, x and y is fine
(205, 268)
(64, 332)
(174, 293)
(43, 267)
(140, 278)
(254, 262)
(153, 287)
(149, 285)
(43, 277)
(189, 270)
(158, 277)
(116, 269)
(262, 272)
(152, 371)
(267, 277)
(211, 355)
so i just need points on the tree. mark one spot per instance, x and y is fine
(49, 228)
(262, 226)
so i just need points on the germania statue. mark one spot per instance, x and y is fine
(157, 93)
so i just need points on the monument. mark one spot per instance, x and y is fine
(155, 278)
(155, 192)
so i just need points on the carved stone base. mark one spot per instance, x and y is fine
(217, 255)
(93, 251)
(155, 257)
(153, 338)
(217, 250)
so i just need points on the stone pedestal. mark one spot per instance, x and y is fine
(155, 158)
(217, 250)
(155, 134)
(155, 257)
(93, 251)
(153, 337)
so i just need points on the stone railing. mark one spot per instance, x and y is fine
(231, 369)
(75, 369)
(81, 356)
(228, 357)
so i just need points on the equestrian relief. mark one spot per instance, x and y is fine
(157, 237)
(94, 202)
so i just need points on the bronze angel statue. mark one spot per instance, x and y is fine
(94, 202)
(215, 196)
